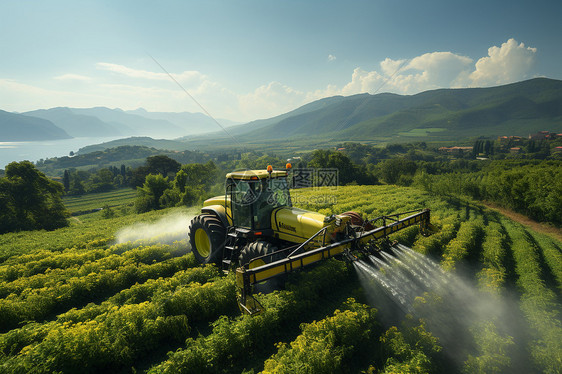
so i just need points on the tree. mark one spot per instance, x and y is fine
(162, 164)
(201, 174)
(76, 186)
(150, 193)
(66, 181)
(138, 176)
(29, 200)
(347, 171)
(102, 181)
(394, 168)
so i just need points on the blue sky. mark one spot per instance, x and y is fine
(246, 60)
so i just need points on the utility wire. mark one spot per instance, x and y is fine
(195, 101)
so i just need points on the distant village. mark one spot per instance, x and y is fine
(541, 141)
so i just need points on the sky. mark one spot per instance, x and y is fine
(246, 60)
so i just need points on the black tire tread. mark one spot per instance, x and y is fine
(216, 232)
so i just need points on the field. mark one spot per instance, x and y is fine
(421, 132)
(77, 300)
(78, 205)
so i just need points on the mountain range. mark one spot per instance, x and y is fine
(443, 114)
(515, 109)
(64, 123)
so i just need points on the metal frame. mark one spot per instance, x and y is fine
(246, 278)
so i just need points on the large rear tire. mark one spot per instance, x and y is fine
(207, 236)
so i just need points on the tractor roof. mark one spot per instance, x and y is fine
(255, 174)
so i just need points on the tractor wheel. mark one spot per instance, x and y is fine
(357, 220)
(257, 249)
(207, 235)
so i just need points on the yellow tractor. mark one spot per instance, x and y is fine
(255, 229)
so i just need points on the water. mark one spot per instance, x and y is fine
(454, 310)
(34, 151)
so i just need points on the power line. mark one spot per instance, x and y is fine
(195, 101)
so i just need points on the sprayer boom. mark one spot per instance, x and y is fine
(357, 241)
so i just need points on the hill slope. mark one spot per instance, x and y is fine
(191, 123)
(77, 125)
(132, 124)
(17, 128)
(514, 109)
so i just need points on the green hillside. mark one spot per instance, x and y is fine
(516, 109)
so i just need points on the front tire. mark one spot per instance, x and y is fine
(207, 236)
(257, 249)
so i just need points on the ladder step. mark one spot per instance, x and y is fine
(226, 266)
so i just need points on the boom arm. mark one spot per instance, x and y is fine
(245, 278)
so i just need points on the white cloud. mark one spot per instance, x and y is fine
(331, 57)
(130, 88)
(270, 100)
(188, 76)
(508, 63)
(17, 96)
(73, 77)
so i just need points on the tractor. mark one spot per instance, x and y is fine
(255, 230)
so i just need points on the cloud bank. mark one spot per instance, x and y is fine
(510, 62)
(116, 85)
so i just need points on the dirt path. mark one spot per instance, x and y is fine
(537, 226)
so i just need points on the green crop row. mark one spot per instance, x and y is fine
(434, 244)
(411, 349)
(329, 345)
(493, 273)
(37, 304)
(552, 254)
(538, 302)
(466, 242)
(118, 338)
(40, 261)
(76, 267)
(234, 341)
(13, 341)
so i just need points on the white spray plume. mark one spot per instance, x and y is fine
(168, 229)
(452, 306)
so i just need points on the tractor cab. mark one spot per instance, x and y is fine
(253, 196)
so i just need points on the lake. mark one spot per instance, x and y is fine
(33, 151)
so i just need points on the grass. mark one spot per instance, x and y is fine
(421, 132)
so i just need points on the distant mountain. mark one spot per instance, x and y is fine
(261, 123)
(18, 127)
(77, 125)
(514, 109)
(133, 124)
(191, 123)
